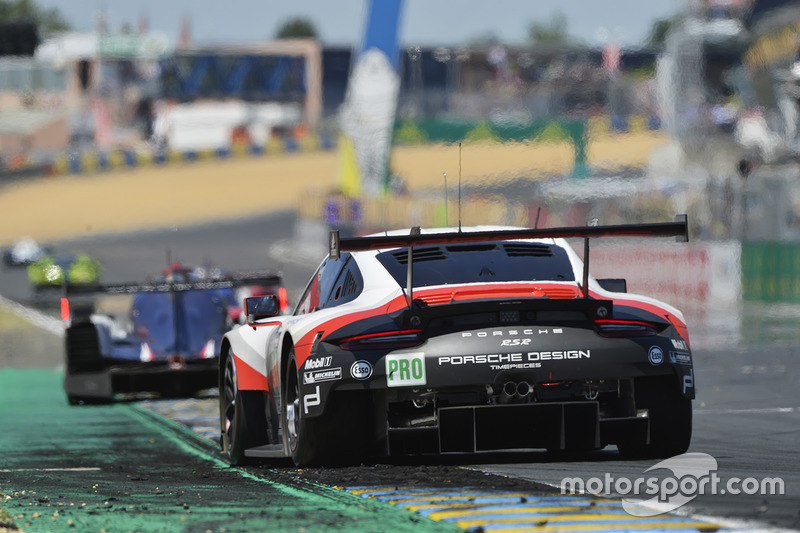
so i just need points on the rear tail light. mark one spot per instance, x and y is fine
(380, 341)
(625, 328)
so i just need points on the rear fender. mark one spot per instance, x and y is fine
(285, 349)
(248, 347)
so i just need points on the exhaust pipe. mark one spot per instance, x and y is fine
(515, 392)
(508, 393)
(524, 390)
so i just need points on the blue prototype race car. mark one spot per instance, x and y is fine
(168, 345)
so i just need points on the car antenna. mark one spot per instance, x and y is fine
(459, 187)
(446, 221)
(536, 223)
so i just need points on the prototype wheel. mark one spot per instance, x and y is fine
(670, 417)
(83, 349)
(83, 382)
(243, 421)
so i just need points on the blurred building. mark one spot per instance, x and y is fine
(540, 82)
(209, 98)
(102, 91)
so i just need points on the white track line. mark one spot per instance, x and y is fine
(753, 410)
(77, 469)
(37, 318)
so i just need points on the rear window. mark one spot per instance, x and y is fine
(479, 263)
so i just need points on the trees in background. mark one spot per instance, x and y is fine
(297, 28)
(47, 21)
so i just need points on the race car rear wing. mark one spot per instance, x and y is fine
(679, 228)
(85, 293)
(226, 282)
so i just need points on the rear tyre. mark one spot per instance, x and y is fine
(670, 417)
(337, 437)
(83, 349)
(243, 421)
(304, 436)
(83, 356)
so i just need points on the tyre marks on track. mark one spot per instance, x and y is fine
(201, 415)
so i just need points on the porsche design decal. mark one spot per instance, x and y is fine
(504, 358)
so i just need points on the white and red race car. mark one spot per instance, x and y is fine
(458, 341)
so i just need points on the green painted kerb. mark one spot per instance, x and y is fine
(117, 468)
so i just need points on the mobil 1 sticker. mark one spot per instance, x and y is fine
(405, 369)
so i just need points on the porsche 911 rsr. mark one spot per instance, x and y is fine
(459, 341)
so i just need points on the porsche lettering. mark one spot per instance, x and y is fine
(511, 332)
(480, 359)
(497, 358)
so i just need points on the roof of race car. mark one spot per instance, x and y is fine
(451, 230)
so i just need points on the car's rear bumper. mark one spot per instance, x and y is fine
(551, 426)
(157, 378)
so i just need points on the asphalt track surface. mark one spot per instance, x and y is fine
(746, 417)
(119, 468)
